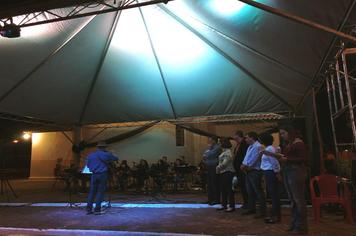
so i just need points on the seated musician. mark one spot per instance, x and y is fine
(203, 174)
(179, 176)
(183, 162)
(159, 173)
(164, 165)
(61, 174)
(124, 173)
(142, 174)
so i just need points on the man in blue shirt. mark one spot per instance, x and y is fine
(211, 160)
(251, 165)
(98, 162)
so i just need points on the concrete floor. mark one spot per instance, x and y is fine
(118, 220)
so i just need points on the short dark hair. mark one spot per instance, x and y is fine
(239, 133)
(225, 143)
(266, 139)
(253, 135)
(215, 138)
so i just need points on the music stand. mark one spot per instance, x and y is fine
(5, 184)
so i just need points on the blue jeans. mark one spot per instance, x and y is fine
(97, 190)
(254, 191)
(273, 191)
(294, 181)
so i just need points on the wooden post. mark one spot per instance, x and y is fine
(77, 138)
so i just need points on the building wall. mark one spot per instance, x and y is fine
(46, 149)
(151, 145)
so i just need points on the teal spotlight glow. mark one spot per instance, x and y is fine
(227, 7)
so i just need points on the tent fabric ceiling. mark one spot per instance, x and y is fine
(182, 59)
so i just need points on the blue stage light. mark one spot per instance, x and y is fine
(227, 7)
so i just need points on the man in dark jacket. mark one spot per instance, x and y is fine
(98, 162)
(211, 160)
(239, 154)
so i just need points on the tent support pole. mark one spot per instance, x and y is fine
(77, 138)
(320, 140)
(299, 19)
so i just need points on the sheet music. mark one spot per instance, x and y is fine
(86, 170)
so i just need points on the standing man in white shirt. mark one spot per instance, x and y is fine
(271, 168)
(252, 166)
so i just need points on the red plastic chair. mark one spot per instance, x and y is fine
(330, 193)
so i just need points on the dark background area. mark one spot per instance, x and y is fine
(15, 158)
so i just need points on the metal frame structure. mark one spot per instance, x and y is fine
(34, 123)
(340, 95)
(76, 11)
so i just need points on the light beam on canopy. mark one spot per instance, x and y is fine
(227, 7)
(175, 45)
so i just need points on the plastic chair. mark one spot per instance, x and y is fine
(331, 190)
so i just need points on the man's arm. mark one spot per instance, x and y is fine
(212, 153)
(251, 156)
(276, 155)
(111, 157)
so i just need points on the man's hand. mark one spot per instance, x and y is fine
(279, 177)
(283, 159)
(244, 168)
(217, 169)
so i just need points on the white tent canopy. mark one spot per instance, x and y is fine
(187, 58)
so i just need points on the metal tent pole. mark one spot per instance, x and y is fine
(320, 140)
(349, 98)
(298, 19)
(333, 126)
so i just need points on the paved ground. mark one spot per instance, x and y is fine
(163, 220)
(143, 220)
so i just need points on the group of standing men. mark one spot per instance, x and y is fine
(255, 157)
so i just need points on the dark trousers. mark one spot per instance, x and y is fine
(97, 190)
(294, 181)
(255, 192)
(242, 185)
(273, 191)
(226, 189)
(213, 185)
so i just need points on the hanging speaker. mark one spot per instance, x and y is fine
(179, 136)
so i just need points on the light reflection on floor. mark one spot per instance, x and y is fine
(76, 232)
(122, 205)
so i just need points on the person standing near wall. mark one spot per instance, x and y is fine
(294, 160)
(210, 158)
(239, 154)
(226, 170)
(252, 166)
(271, 168)
(97, 163)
